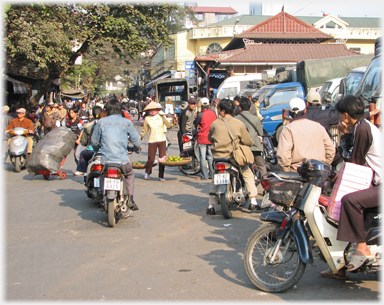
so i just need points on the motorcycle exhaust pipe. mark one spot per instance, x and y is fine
(239, 197)
(124, 208)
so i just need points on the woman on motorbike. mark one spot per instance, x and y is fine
(360, 145)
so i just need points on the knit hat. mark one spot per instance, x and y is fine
(153, 106)
(313, 98)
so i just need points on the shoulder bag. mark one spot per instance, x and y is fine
(241, 153)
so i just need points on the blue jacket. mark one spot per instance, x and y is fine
(111, 135)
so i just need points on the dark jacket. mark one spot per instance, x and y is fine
(187, 117)
(326, 117)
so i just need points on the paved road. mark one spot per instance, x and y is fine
(59, 246)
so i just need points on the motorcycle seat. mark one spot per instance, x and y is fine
(286, 176)
(227, 160)
(114, 164)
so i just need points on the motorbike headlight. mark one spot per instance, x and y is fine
(18, 142)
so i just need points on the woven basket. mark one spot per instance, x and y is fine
(176, 163)
(141, 166)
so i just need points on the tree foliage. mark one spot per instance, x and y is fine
(40, 39)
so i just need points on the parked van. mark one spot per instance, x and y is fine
(232, 85)
(273, 102)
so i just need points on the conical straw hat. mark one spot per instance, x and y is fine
(153, 106)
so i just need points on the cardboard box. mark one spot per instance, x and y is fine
(352, 178)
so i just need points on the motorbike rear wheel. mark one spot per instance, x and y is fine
(17, 164)
(192, 168)
(281, 274)
(226, 201)
(111, 212)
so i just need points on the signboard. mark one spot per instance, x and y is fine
(190, 73)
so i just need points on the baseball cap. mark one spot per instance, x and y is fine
(313, 97)
(6, 108)
(296, 104)
(22, 110)
(191, 101)
(204, 101)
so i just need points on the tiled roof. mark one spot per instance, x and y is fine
(209, 9)
(284, 25)
(279, 53)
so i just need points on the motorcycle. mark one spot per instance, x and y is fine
(92, 178)
(115, 200)
(190, 150)
(231, 190)
(277, 253)
(17, 149)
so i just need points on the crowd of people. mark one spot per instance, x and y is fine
(106, 125)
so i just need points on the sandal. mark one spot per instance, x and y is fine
(357, 261)
(147, 177)
(162, 179)
(330, 274)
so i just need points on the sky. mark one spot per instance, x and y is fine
(342, 8)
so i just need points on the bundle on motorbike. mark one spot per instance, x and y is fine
(17, 148)
(190, 150)
(277, 253)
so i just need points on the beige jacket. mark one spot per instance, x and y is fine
(219, 137)
(303, 138)
(155, 125)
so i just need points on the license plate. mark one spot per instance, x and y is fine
(187, 145)
(221, 179)
(111, 184)
(96, 182)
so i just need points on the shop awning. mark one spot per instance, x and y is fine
(165, 75)
(73, 93)
(18, 86)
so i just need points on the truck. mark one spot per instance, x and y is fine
(272, 103)
(232, 85)
(313, 73)
(177, 88)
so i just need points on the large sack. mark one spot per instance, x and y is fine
(51, 150)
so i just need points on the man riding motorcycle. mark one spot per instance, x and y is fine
(111, 134)
(222, 148)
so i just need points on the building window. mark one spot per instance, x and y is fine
(238, 69)
(199, 16)
(221, 17)
(213, 48)
(249, 69)
(170, 52)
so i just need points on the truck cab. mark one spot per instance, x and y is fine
(177, 88)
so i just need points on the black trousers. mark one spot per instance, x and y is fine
(351, 223)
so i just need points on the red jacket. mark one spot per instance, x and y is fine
(204, 119)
